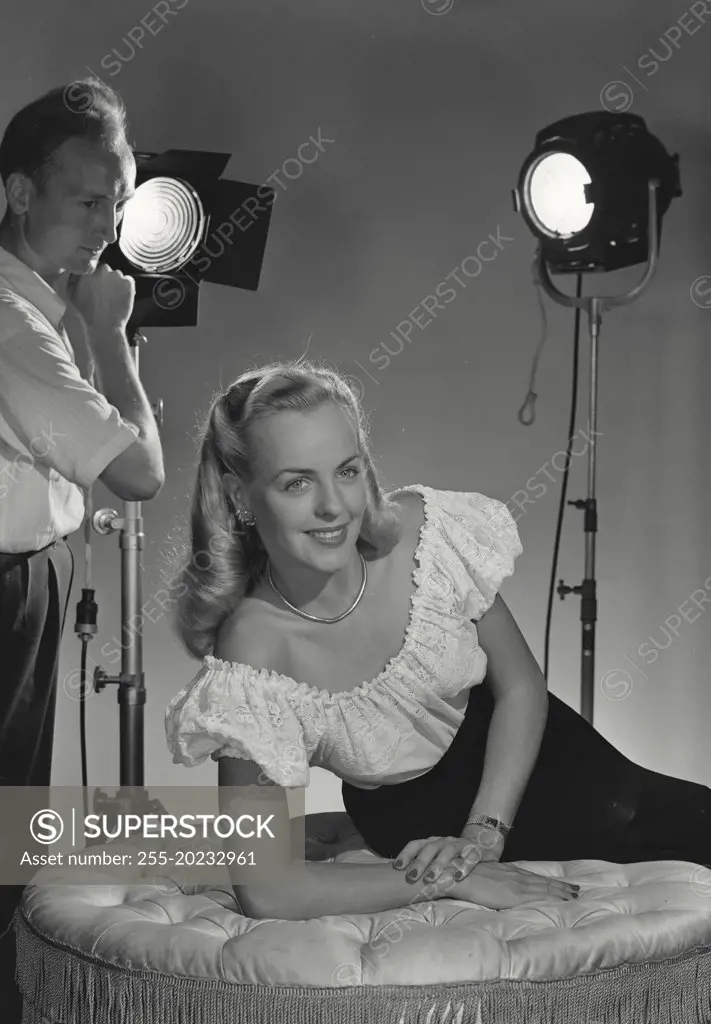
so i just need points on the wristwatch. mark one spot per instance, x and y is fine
(496, 823)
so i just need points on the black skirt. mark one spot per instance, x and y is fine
(584, 799)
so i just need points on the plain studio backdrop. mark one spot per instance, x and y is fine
(430, 109)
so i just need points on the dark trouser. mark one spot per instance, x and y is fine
(34, 595)
(584, 799)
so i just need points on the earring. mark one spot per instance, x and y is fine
(244, 517)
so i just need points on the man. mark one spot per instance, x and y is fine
(68, 171)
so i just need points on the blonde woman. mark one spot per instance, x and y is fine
(363, 632)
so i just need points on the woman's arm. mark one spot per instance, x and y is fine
(303, 889)
(519, 717)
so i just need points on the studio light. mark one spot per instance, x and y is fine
(583, 191)
(162, 226)
(186, 225)
(594, 192)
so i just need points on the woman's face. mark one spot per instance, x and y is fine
(309, 479)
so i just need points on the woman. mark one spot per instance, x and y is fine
(364, 633)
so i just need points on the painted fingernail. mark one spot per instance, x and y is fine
(429, 877)
(398, 863)
(411, 876)
(458, 875)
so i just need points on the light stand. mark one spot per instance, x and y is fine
(595, 305)
(131, 680)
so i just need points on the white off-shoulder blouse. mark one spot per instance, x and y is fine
(388, 729)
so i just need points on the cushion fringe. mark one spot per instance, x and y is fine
(61, 985)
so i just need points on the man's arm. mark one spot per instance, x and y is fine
(98, 310)
(120, 384)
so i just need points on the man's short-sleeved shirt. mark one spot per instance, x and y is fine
(57, 432)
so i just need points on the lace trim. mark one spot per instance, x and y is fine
(419, 577)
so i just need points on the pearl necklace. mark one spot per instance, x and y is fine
(319, 618)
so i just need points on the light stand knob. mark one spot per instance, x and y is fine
(106, 520)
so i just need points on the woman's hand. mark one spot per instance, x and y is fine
(503, 886)
(428, 858)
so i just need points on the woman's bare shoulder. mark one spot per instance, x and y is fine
(250, 635)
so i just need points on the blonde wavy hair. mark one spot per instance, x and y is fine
(225, 560)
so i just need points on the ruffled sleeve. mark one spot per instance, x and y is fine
(480, 536)
(235, 710)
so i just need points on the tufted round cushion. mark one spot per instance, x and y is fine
(635, 948)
